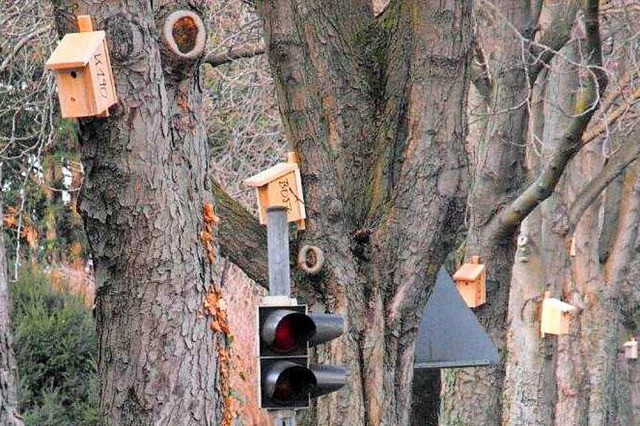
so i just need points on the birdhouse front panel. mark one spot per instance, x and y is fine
(471, 281)
(281, 185)
(83, 74)
(556, 317)
(282, 191)
(631, 349)
(472, 293)
(75, 100)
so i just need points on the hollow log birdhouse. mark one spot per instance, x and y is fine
(83, 73)
(631, 349)
(280, 185)
(556, 316)
(471, 282)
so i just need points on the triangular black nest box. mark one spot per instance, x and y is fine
(449, 334)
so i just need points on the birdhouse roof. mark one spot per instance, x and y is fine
(469, 272)
(270, 174)
(631, 343)
(75, 50)
(560, 305)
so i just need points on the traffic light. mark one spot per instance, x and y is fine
(285, 333)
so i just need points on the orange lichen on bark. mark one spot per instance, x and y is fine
(9, 221)
(209, 214)
(215, 308)
(206, 236)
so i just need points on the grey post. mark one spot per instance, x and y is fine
(284, 418)
(279, 277)
(278, 251)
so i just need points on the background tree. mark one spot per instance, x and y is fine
(143, 203)
(551, 119)
(9, 414)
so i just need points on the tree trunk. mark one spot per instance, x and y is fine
(375, 111)
(472, 396)
(589, 379)
(143, 200)
(9, 414)
(499, 201)
(541, 264)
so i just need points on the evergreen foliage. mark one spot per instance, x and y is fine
(55, 347)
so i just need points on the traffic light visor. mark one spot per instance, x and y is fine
(285, 331)
(287, 383)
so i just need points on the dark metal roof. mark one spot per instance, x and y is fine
(449, 334)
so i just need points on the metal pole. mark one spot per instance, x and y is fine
(284, 418)
(278, 251)
(279, 277)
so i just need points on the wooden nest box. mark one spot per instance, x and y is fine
(83, 74)
(471, 282)
(631, 349)
(556, 316)
(280, 185)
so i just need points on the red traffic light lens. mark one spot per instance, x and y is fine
(284, 331)
(285, 336)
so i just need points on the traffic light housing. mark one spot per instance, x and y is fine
(284, 334)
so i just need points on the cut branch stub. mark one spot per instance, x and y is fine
(184, 34)
(310, 259)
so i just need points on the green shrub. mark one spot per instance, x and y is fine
(55, 346)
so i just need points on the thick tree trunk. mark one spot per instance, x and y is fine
(144, 191)
(541, 264)
(375, 111)
(9, 414)
(473, 395)
(591, 392)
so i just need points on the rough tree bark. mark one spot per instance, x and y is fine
(144, 192)
(580, 378)
(375, 110)
(9, 414)
(499, 200)
(589, 380)
(541, 262)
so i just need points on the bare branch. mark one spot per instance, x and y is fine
(20, 44)
(556, 35)
(611, 118)
(570, 142)
(614, 167)
(234, 53)
(242, 239)
(480, 75)
(627, 232)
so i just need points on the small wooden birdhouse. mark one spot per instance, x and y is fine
(83, 73)
(631, 349)
(555, 316)
(280, 185)
(471, 282)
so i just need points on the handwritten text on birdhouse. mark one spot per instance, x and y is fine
(83, 74)
(279, 185)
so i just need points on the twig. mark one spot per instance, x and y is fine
(234, 53)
